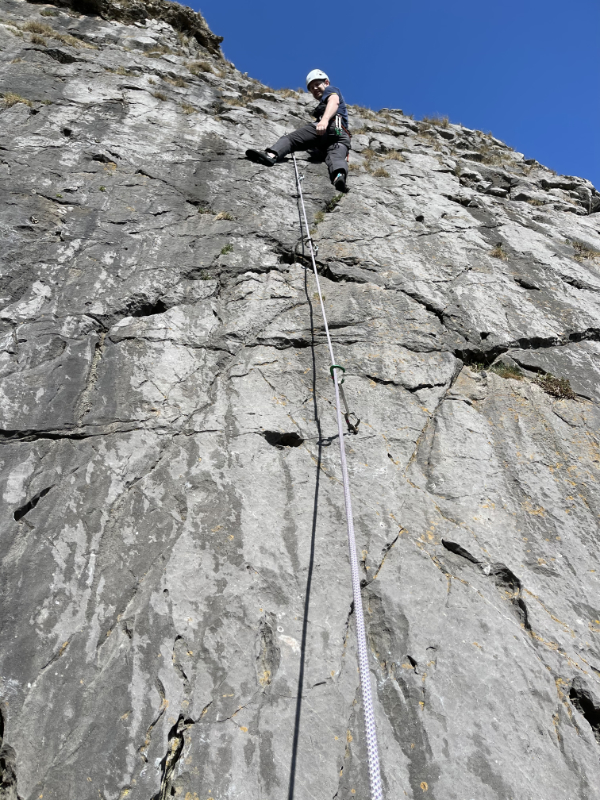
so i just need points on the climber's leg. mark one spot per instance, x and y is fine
(336, 159)
(301, 139)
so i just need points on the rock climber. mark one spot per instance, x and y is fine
(329, 135)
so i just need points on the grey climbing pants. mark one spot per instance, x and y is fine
(334, 148)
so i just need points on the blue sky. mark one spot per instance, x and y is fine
(526, 70)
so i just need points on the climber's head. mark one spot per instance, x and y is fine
(316, 82)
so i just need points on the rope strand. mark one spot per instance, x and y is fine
(363, 655)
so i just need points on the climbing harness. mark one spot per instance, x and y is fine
(339, 126)
(363, 656)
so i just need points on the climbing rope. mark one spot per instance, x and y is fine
(363, 656)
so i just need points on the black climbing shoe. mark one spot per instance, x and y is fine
(261, 157)
(340, 182)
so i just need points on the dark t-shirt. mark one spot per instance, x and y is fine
(342, 110)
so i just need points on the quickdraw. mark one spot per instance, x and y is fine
(352, 428)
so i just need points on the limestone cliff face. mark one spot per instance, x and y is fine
(176, 606)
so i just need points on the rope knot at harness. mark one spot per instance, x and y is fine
(361, 637)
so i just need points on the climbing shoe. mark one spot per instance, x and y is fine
(261, 157)
(340, 182)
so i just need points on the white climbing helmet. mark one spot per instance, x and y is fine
(315, 74)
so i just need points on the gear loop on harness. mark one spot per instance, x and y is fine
(361, 638)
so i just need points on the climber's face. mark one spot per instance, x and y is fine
(317, 87)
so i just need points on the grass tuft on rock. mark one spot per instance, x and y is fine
(227, 249)
(442, 122)
(333, 202)
(507, 371)
(366, 113)
(198, 67)
(160, 50)
(380, 172)
(499, 252)
(38, 27)
(224, 215)
(178, 81)
(583, 251)
(41, 29)
(11, 99)
(556, 387)
(160, 96)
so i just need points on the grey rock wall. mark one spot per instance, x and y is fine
(176, 603)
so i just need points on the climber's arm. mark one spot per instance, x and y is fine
(331, 108)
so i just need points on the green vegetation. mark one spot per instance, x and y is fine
(227, 249)
(179, 82)
(38, 27)
(499, 252)
(197, 67)
(122, 71)
(442, 122)
(556, 387)
(333, 202)
(366, 113)
(243, 100)
(583, 251)
(10, 98)
(507, 371)
(158, 51)
(370, 156)
(102, 188)
(41, 29)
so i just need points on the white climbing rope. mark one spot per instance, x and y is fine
(363, 655)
